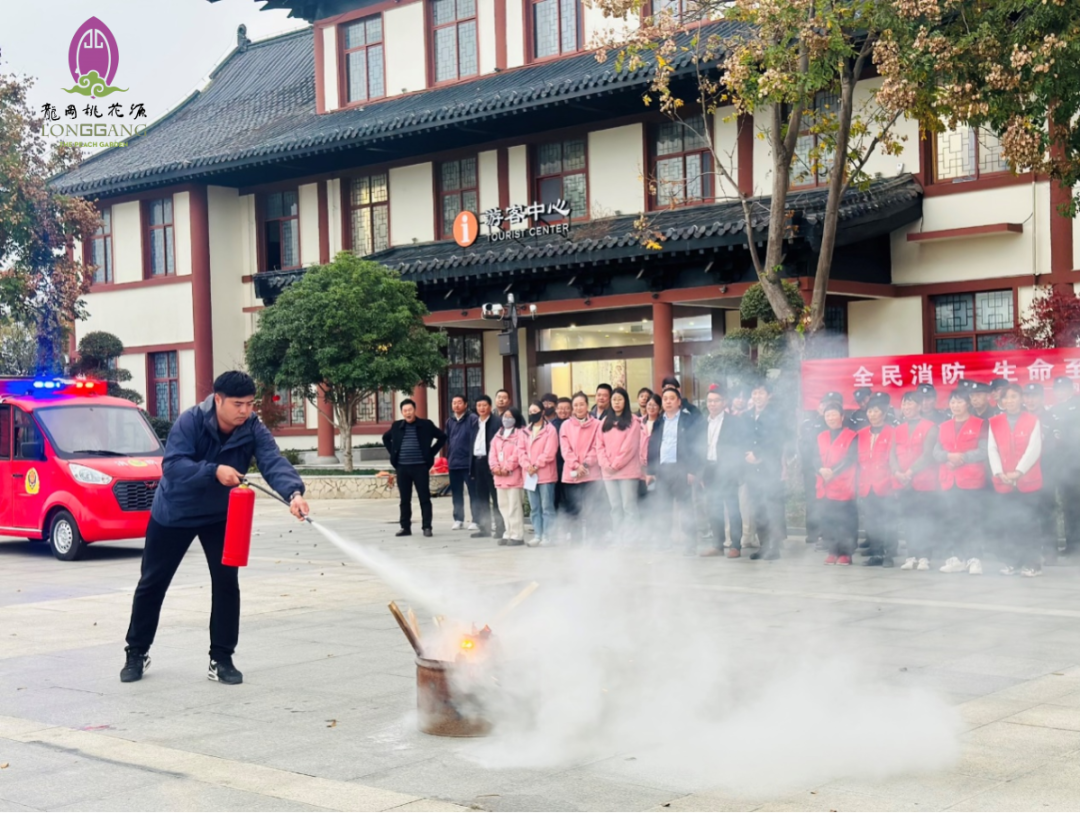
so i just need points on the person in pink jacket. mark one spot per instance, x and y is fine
(507, 461)
(541, 451)
(618, 451)
(581, 469)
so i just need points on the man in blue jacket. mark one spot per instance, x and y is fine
(459, 461)
(209, 449)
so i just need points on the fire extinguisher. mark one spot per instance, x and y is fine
(238, 526)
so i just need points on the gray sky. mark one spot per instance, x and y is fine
(167, 47)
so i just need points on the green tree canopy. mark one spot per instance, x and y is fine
(99, 353)
(352, 327)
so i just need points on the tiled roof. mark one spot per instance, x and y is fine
(885, 205)
(689, 229)
(260, 109)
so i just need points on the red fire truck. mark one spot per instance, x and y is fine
(76, 465)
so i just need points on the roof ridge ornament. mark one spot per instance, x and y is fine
(242, 41)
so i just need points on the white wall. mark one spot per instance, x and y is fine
(984, 257)
(403, 33)
(333, 195)
(127, 242)
(249, 261)
(309, 224)
(228, 213)
(485, 14)
(908, 129)
(135, 363)
(487, 165)
(599, 28)
(615, 171)
(182, 232)
(880, 327)
(726, 140)
(330, 68)
(412, 204)
(186, 362)
(515, 34)
(518, 160)
(157, 314)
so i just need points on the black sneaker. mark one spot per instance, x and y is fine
(768, 554)
(479, 535)
(874, 561)
(224, 672)
(404, 532)
(427, 532)
(135, 667)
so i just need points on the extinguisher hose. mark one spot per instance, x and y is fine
(270, 493)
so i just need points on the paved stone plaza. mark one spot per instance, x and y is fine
(325, 718)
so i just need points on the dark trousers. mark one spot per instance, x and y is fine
(879, 520)
(584, 505)
(721, 495)
(961, 509)
(1069, 490)
(814, 509)
(765, 491)
(409, 477)
(673, 503)
(486, 504)
(839, 525)
(460, 479)
(164, 549)
(919, 517)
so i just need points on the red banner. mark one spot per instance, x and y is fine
(899, 374)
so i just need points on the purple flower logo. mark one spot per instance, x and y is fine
(93, 58)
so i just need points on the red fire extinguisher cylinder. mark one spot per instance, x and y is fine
(238, 527)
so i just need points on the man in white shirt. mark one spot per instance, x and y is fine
(486, 506)
(724, 451)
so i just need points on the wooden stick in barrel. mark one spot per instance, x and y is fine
(520, 597)
(400, 618)
(414, 624)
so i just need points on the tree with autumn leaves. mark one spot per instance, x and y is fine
(42, 282)
(794, 64)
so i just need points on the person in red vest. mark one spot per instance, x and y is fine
(915, 479)
(1014, 448)
(836, 469)
(961, 454)
(875, 482)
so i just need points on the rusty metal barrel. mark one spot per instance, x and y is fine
(443, 710)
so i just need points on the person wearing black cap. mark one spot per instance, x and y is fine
(997, 389)
(927, 397)
(1066, 423)
(915, 478)
(809, 430)
(673, 382)
(875, 443)
(835, 456)
(857, 419)
(980, 401)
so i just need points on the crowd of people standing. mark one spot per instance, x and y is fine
(980, 479)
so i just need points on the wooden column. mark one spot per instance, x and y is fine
(663, 343)
(419, 394)
(201, 313)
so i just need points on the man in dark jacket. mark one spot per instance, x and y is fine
(672, 382)
(673, 461)
(208, 451)
(413, 443)
(722, 468)
(480, 435)
(459, 461)
(764, 471)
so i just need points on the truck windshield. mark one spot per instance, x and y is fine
(98, 431)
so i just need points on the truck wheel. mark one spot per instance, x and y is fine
(64, 537)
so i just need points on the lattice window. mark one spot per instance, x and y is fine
(162, 254)
(813, 158)
(967, 155)
(454, 37)
(683, 165)
(556, 27)
(376, 408)
(369, 213)
(972, 321)
(292, 402)
(465, 368)
(101, 249)
(562, 169)
(365, 74)
(281, 231)
(459, 189)
(164, 389)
